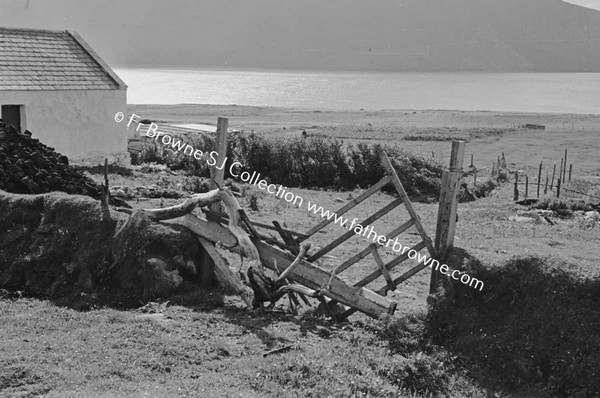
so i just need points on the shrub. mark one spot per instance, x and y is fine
(303, 162)
(552, 203)
(502, 176)
(535, 327)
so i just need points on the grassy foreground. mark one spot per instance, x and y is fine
(195, 351)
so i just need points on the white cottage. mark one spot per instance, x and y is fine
(53, 84)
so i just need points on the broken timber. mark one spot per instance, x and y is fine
(305, 273)
(260, 254)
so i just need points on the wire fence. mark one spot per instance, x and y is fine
(540, 186)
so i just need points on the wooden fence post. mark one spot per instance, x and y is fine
(218, 176)
(565, 168)
(516, 195)
(526, 186)
(546, 186)
(570, 170)
(539, 179)
(552, 182)
(446, 221)
(560, 171)
(558, 188)
(221, 148)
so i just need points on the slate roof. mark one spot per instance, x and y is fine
(32, 59)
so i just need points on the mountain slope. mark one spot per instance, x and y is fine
(387, 35)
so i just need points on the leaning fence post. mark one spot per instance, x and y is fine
(546, 185)
(552, 182)
(448, 206)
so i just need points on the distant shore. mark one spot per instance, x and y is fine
(273, 118)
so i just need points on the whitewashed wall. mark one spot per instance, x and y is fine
(77, 123)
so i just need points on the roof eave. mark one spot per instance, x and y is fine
(120, 83)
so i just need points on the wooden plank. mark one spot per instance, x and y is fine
(383, 182)
(284, 235)
(277, 243)
(210, 230)
(224, 275)
(404, 277)
(287, 238)
(315, 277)
(349, 311)
(382, 267)
(223, 217)
(398, 185)
(248, 223)
(348, 263)
(267, 226)
(346, 314)
(446, 221)
(380, 213)
(375, 274)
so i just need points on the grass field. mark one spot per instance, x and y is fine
(205, 344)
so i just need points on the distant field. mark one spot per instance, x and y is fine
(524, 149)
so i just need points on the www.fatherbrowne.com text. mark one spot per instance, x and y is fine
(280, 191)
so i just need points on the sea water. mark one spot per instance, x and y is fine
(511, 92)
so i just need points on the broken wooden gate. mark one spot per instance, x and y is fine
(382, 269)
(343, 300)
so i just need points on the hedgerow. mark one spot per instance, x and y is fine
(313, 162)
